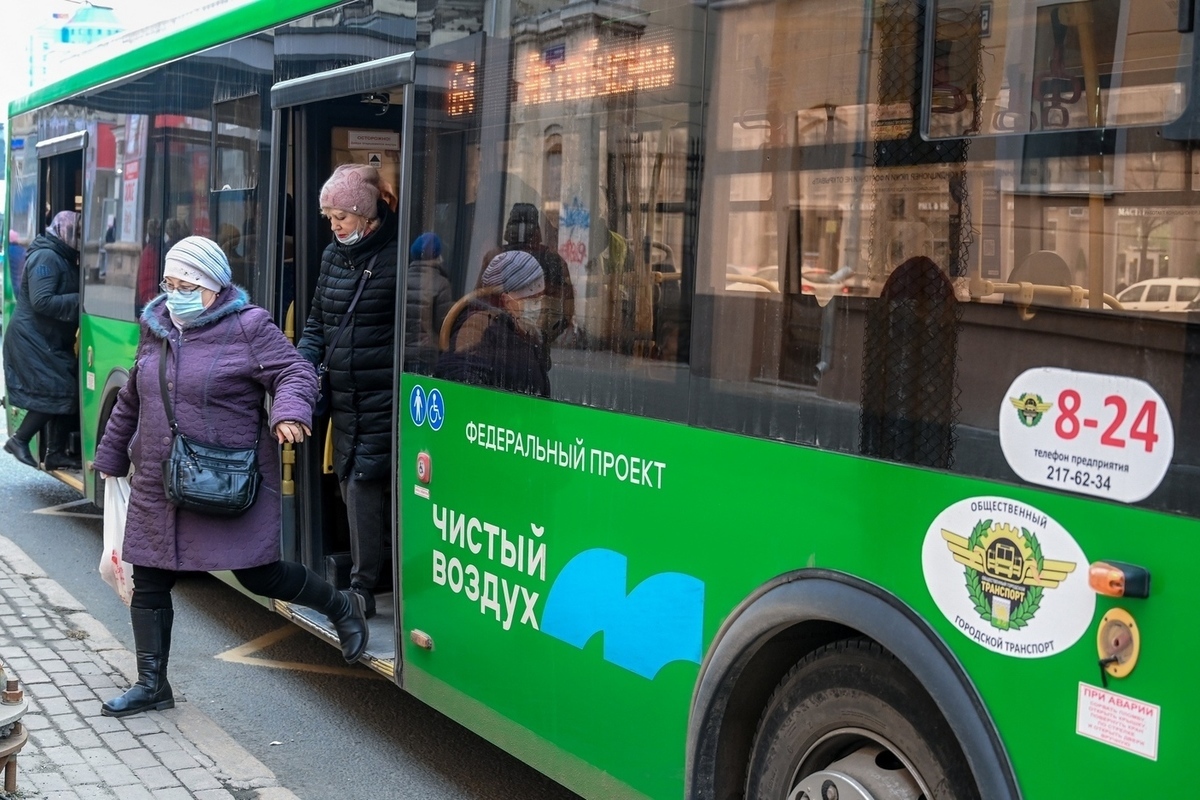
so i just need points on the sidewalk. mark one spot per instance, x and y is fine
(67, 663)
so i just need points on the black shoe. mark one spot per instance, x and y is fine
(351, 628)
(62, 461)
(368, 598)
(20, 451)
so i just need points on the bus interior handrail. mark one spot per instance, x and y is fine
(1023, 292)
(456, 309)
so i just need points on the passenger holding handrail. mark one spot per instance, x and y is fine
(499, 341)
(223, 355)
(357, 286)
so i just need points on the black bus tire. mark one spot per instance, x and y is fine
(850, 712)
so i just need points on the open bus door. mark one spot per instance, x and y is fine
(355, 114)
(60, 188)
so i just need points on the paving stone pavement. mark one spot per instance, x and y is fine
(67, 663)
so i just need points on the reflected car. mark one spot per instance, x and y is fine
(1161, 294)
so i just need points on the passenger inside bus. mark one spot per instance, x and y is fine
(428, 300)
(356, 289)
(523, 232)
(40, 366)
(499, 338)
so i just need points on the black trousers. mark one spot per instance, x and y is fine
(279, 580)
(32, 424)
(369, 511)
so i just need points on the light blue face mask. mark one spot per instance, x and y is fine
(353, 239)
(185, 307)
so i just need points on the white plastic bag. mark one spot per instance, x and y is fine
(115, 571)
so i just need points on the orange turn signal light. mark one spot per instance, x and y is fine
(1118, 579)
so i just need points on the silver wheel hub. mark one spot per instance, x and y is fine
(870, 772)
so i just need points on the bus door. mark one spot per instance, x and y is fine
(350, 115)
(60, 188)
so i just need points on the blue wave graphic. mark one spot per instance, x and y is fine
(658, 622)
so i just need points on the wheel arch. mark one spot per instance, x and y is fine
(781, 623)
(113, 384)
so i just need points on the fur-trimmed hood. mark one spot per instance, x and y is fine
(157, 319)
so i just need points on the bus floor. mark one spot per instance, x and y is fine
(381, 647)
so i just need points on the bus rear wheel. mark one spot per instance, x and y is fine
(850, 722)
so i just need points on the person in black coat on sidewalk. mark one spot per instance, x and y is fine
(41, 368)
(360, 367)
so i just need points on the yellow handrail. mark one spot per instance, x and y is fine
(1024, 292)
(456, 309)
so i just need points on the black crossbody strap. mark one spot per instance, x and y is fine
(162, 387)
(337, 335)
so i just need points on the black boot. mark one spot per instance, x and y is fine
(152, 645)
(20, 449)
(346, 610)
(368, 598)
(59, 460)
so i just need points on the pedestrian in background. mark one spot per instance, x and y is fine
(360, 367)
(223, 356)
(41, 368)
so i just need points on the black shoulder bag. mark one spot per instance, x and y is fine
(322, 370)
(207, 478)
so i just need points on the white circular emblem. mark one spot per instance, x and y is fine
(1008, 577)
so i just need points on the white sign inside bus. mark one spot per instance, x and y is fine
(1102, 435)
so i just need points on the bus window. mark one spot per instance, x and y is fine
(1042, 65)
(596, 175)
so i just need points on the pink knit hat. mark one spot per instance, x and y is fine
(353, 188)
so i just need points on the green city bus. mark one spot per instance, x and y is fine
(870, 345)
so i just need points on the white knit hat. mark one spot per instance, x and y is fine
(200, 261)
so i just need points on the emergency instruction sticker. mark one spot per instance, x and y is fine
(1008, 577)
(1118, 720)
(1102, 435)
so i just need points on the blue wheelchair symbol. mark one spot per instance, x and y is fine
(436, 410)
(417, 406)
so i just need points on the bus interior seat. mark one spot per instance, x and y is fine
(1043, 268)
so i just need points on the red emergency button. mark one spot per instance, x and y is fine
(424, 468)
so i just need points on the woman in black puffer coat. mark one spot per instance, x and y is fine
(41, 369)
(360, 368)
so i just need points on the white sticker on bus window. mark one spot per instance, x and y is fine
(1102, 435)
(1118, 720)
(1008, 577)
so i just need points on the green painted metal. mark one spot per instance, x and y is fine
(222, 27)
(106, 349)
(736, 512)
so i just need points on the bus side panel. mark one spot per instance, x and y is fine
(105, 346)
(651, 533)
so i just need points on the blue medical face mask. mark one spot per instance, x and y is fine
(185, 307)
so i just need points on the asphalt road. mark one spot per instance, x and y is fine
(325, 730)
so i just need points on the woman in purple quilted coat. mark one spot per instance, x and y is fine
(223, 356)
